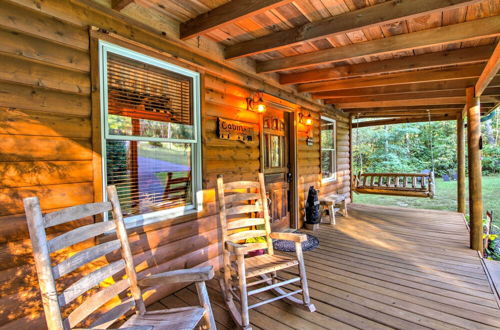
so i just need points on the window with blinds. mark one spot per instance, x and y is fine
(150, 132)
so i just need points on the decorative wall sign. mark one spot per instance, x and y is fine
(234, 130)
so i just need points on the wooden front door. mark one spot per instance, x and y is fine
(275, 154)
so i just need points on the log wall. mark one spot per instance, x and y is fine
(46, 150)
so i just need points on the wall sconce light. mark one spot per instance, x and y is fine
(256, 103)
(306, 120)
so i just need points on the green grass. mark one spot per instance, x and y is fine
(173, 155)
(445, 198)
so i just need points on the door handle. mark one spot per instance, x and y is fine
(289, 177)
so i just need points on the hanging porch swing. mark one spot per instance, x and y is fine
(396, 184)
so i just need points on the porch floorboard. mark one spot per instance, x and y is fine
(380, 268)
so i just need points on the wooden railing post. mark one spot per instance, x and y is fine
(475, 180)
(460, 164)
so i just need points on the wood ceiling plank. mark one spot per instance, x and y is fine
(384, 13)
(425, 61)
(354, 111)
(374, 114)
(489, 72)
(120, 4)
(226, 14)
(431, 75)
(481, 28)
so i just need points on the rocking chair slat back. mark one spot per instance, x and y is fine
(241, 185)
(47, 274)
(81, 258)
(245, 222)
(245, 234)
(88, 282)
(243, 209)
(79, 234)
(110, 317)
(95, 302)
(250, 197)
(237, 197)
(75, 212)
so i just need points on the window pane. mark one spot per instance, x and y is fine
(120, 125)
(144, 100)
(326, 163)
(327, 135)
(333, 157)
(276, 151)
(150, 176)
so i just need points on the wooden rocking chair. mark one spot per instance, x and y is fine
(237, 201)
(92, 312)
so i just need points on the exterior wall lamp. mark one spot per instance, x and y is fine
(256, 103)
(306, 120)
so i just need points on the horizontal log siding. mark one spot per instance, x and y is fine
(46, 149)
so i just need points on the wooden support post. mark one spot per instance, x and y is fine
(351, 194)
(475, 180)
(294, 168)
(460, 164)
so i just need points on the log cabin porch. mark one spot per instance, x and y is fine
(321, 68)
(380, 268)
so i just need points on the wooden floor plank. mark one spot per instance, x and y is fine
(380, 268)
(341, 243)
(446, 282)
(418, 250)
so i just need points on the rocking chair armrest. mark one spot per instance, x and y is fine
(238, 249)
(198, 274)
(297, 238)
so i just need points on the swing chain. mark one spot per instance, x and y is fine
(430, 139)
(360, 156)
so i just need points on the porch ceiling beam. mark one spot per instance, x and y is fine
(384, 13)
(492, 91)
(481, 28)
(354, 111)
(414, 102)
(396, 103)
(407, 88)
(417, 110)
(400, 78)
(120, 4)
(226, 14)
(426, 61)
(489, 72)
(407, 113)
(393, 121)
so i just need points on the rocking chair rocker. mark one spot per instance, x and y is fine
(237, 202)
(125, 292)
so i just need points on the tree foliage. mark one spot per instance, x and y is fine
(411, 147)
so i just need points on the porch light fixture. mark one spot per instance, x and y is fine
(306, 120)
(256, 103)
